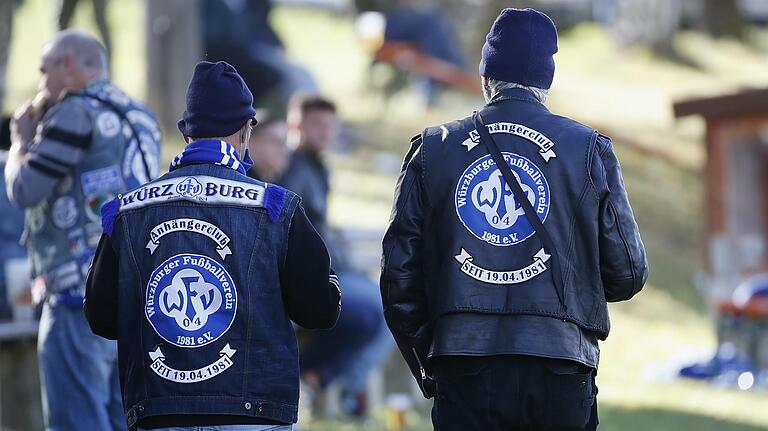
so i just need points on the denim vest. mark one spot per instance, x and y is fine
(63, 230)
(202, 325)
(493, 262)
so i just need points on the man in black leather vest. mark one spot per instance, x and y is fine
(497, 304)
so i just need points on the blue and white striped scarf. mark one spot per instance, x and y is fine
(212, 151)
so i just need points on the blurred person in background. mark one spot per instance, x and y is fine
(228, 262)
(360, 341)
(11, 227)
(78, 144)
(239, 32)
(495, 280)
(429, 30)
(269, 150)
(66, 10)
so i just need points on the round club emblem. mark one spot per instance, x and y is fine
(189, 188)
(108, 124)
(487, 207)
(65, 212)
(191, 300)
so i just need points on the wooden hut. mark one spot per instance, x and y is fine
(736, 209)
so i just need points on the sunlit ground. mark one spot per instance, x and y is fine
(625, 92)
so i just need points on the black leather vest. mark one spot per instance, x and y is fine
(481, 253)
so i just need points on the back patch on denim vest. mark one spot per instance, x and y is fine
(191, 301)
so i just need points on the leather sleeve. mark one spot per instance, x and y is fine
(623, 262)
(402, 282)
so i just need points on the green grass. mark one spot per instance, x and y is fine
(625, 91)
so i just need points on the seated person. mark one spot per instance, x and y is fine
(429, 31)
(269, 150)
(360, 340)
(239, 32)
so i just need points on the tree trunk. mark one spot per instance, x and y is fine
(722, 18)
(173, 48)
(6, 20)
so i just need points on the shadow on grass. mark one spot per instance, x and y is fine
(614, 418)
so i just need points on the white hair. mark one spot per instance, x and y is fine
(492, 87)
(89, 54)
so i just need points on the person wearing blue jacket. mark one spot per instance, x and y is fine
(199, 274)
(78, 144)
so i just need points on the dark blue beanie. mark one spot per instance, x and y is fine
(519, 48)
(218, 102)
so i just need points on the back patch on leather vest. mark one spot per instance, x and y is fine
(488, 209)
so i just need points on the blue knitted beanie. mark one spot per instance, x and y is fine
(519, 48)
(218, 102)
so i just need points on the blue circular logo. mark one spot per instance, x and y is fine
(189, 188)
(191, 300)
(487, 207)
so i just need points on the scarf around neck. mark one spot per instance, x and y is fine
(212, 151)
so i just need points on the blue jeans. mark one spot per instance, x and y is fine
(227, 428)
(358, 343)
(78, 374)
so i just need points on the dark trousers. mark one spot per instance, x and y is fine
(513, 393)
(67, 11)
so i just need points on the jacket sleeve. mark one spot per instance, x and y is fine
(623, 263)
(311, 291)
(100, 304)
(61, 143)
(402, 281)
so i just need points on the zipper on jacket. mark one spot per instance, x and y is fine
(418, 361)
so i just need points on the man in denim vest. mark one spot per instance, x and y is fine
(78, 145)
(199, 274)
(495, 281)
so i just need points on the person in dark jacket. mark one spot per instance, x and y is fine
(268, 147)
(496, 295)
(360, 341)
(240, 32)
(199, 274)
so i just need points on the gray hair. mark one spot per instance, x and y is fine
(492, 87)
(89, 54)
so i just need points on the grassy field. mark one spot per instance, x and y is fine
(627, 91)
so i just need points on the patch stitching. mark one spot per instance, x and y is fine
(191, 225)
(487, 207)
(546, 146)
(194, 280)
(212, 190)
(514, 276)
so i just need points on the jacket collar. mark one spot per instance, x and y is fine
(514, 94)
